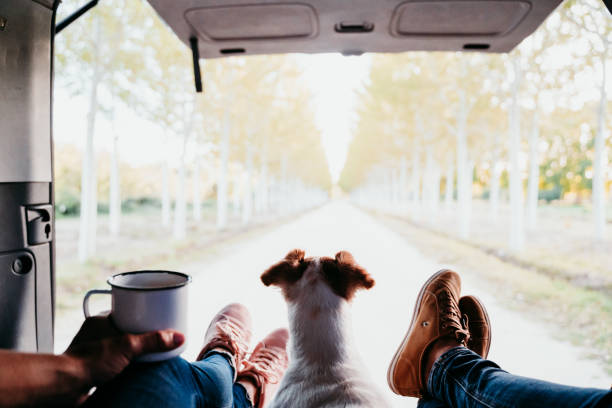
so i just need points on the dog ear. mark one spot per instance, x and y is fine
(287, 271)
(344, 276)
(358, 276)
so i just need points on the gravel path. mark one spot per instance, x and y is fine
(380, 316)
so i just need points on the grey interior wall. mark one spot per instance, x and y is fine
(25, 92)
(26, 189)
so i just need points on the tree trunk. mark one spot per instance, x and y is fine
(448, 188)
(114, 215)
(534, 172)
(463, 194)
(262, 189)
(236, 191)
(264, 182)
(469, 183)
(197, 195)
(89, 204)
(165, 200)
(395, 189)
(180, 206)
(516, 186)
(428, 180)
(435, 193)
(403, 181)
(431, 187)
(247, 207)
(415, 182)
(222, 176)
(284, 186)
(495, 176)
(600, 162)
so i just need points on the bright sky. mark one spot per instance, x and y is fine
(333, 79)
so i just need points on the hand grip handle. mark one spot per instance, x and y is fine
(86, 299)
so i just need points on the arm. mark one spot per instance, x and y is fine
(30, 379)
(97, 354)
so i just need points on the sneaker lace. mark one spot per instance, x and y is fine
(231, 333)
(451, 317)
(268, 362)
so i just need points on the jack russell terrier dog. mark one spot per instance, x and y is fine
(324, 369)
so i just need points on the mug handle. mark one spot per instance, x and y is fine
(86, 299)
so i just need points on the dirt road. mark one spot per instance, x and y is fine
(380, 316)
(521, 344)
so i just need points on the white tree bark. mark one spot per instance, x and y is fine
(197, 194)
(222, 176)
(114, 214)
(463, 193)
(428, 180)
(180, 205)
(495, 176)
(284, 186)
(435, 192)
(403, 184)
(263, 193)
(600, 162)
(247, 207)
(517, 239)
(448, 189)
(469, 183)
(236, 191)
(263, 189)
(165, 199)
(415, 182)
(89, 202)
(395, 189)
(534, 171)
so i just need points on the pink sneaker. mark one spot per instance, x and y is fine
(266, 365)
(230, 330)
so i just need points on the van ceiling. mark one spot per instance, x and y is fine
(350, 27)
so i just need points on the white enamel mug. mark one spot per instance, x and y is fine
(144, 301)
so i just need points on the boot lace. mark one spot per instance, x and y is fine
(451, 317)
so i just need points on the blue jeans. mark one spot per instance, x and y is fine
(460, 378)
(208, 383)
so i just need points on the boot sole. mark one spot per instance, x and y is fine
(415, 312)
(488, 322)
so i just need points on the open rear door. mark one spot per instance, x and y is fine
(247, 27)
(26, 176)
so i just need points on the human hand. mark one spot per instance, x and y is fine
(101, 352)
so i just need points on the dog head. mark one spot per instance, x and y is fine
(317, 279)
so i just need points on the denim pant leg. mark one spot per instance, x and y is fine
(462, 379)
(214, 376)
(430, 402)
(208, 383)
(165, 384)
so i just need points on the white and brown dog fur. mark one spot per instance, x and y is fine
(324, 369)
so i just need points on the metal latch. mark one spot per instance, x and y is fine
(39, 224)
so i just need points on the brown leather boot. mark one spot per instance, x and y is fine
(266, 366)
(436, 315)
(229, 330)
(476, 320)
